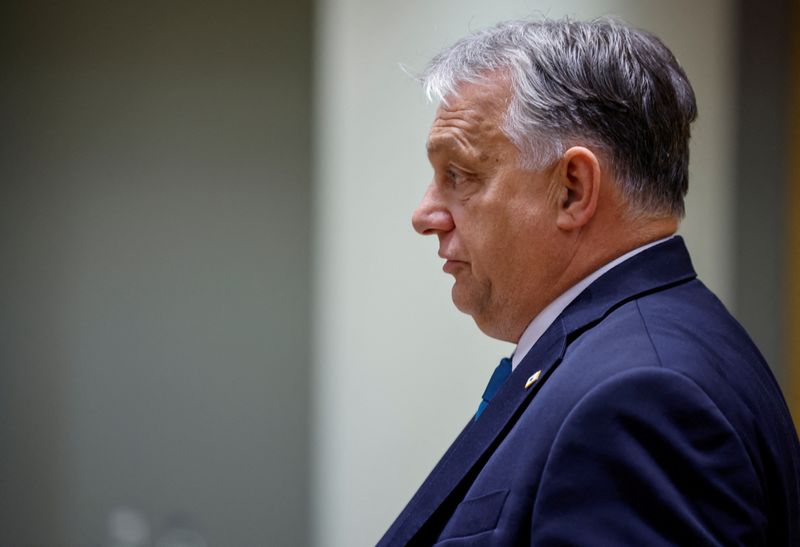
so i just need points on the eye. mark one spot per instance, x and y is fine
(454, 177)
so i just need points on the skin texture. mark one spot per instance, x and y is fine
(514, 239)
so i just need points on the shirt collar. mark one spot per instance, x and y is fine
(550, 313)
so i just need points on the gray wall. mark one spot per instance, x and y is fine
(154, 234)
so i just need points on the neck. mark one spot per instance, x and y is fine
(594, 251)
(589, 251)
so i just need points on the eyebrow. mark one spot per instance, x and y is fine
(446, 141)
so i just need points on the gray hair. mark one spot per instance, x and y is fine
(600, 84)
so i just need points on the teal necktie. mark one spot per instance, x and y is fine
(500, 375)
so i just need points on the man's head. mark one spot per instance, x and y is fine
(557, 146)
(600, 83)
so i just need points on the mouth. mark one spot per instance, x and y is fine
(452, 266)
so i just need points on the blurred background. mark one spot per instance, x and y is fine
(217, 327)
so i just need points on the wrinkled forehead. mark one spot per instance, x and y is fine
(474, 112)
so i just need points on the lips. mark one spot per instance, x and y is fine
(451, 263)
(452, 266)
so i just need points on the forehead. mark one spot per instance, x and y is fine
(471, 117)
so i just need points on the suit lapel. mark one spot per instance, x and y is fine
(476, 439)
(653, 269)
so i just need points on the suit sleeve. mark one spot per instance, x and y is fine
(646, 458)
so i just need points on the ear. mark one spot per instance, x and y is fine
(579, 188)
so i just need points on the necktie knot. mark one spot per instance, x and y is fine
(500, 375)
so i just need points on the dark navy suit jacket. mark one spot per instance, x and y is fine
(654, 421)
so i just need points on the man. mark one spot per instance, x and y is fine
(635, 410)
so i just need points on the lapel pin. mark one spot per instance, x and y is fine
(532, 379)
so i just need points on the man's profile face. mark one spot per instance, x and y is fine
(495, 221)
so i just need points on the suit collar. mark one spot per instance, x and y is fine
(651, 270)
(554, 309)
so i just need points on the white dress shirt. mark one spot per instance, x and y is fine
(542, 322)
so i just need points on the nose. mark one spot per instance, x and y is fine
(432, 216)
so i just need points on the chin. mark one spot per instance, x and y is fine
(494, 329)
(472, 296)
(463, 301)
(467, 302)
(478, 309)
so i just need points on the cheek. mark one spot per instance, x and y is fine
(515, 241)
(491, 238)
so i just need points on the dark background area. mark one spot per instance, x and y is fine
(154, 270)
